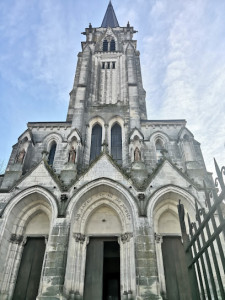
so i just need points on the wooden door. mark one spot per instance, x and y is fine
(94, 270)
(29, 274)
(175, 268)
(102, 273)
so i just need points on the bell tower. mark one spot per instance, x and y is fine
(108, 78)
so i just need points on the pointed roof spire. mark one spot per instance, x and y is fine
(110, 19)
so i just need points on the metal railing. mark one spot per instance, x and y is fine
(205, 245)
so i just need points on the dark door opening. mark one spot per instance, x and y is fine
(102, 275)
(111, 271)
(175, 268)
(29, 274)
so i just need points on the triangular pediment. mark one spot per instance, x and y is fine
(136, 132)
(103, 167)
(168, 174)
(39, 175)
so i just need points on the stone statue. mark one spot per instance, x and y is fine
(20, 156)
(72, 156)
(137, 154)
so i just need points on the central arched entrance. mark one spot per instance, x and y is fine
(102, 271)
(101, 261)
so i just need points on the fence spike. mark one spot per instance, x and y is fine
(189, 224)
(197, 211)
(207, 198)
(219, 176)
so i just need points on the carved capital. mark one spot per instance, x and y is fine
(141, 197)
(16, 238)
(64, 197)
(158, 238)
(126, 237)
(79, 237)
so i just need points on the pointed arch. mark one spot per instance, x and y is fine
(112, 45)
(101, 194)
(116, 143)
(52, 151)
(96, 141)
(105, 45)
(18, 216)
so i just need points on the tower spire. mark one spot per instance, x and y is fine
(110, 19)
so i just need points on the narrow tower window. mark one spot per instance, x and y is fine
(112, 45)
(96, 141)
(116, 143)
(105, 45)
(113, 65)
(108, 65)
(159, 148)
(103, 65)
(52, 154)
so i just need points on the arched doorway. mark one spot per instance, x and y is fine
(101, 262)
(28, 222)
(102, 271)
(171, 260)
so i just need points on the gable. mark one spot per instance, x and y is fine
(168, 174)
(39, 176)
(103, 168)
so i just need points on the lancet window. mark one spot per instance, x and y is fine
(52, 154)
(112, 45)
(105, 46)
(116, 143)
(159, 147)
(96, 141)
(109, 44)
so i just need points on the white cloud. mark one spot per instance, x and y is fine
(182, 55)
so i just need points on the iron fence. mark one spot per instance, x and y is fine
(205, 245)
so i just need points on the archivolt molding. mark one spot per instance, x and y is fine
(97, 120)
(50, 199)
(116, 119)
(159, 135)
(74, 134)
(52, 137)
(124, 205)
(186, 197)
(98, 200)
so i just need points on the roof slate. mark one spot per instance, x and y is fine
(110, 19)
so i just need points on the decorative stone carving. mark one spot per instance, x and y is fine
(20, 156)
(137, 154)
(63, 197)
(105, 147)
(126, 237)
(72, 156)
(44, 154)
(79, 237)
(141, 197)
(16, 238)
(158, 238)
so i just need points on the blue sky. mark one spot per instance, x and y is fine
(182, 46)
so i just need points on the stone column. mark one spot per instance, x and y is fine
(15, 250)
(146, 265)
(55, 261)
(162, 283)
(127, 266)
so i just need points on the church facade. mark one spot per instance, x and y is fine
(88, 207)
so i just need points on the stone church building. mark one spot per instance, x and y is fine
(88, 206)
